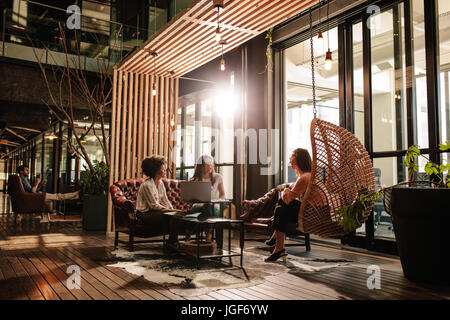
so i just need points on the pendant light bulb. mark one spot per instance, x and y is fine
(222, 64)
(328, 60)
(320, 35)
(218, 34)
(154, 90)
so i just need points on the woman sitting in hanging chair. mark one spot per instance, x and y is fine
(287, 208)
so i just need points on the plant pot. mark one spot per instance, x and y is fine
(95, 212)
(421, 222)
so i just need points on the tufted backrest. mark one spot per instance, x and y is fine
(264, 206)
(125, 191)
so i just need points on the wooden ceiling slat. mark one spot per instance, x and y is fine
(178, 39)
(231, 44)
(175, 25)
(209, 34)
(269, 20)
(188, 41)
(202, 45)
(250, 10)
(210, 57)
(255, 16)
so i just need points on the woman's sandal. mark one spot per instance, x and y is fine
(271, 242)
(275, 256)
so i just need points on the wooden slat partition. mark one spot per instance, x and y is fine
(188, 40)
(140, 124)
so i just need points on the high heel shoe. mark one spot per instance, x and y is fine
(275, 256)
(271, 242)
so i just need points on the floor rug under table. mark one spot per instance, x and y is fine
(180, 275)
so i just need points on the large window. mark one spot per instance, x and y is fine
(444, 50)
(299, 110)
(205, 126)
(383, 86)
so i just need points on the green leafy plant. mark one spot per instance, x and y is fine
(96, 182)
(431, 168)
(268, 49)
(351, 215)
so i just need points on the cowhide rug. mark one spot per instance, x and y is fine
(180, 275)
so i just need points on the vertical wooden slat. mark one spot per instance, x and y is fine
(166, 137)
(117, 124)
(141, 124)
(137, 95)
(160, 115)
(145, 142)
(155, 117)
(123, 126)
(129, 126)
(175, 100)
(169, 128)
(151, 118)
(171, 155)
(112, 150)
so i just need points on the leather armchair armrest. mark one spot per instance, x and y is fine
(32, 202)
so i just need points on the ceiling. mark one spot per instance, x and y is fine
(188, 40)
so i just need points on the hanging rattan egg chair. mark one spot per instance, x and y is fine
(341, 172)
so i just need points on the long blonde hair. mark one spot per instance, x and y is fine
(198, 170)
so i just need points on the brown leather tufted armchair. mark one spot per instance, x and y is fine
(258, 215)
(124, 195)
(25, 202)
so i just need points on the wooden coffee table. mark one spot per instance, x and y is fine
(218, 224)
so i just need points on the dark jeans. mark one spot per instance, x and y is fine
(165, 222)
(285, 214)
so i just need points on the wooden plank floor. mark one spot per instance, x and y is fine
(34, 258)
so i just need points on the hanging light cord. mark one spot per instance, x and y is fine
(320, 19)
(218, 17)
(313, 77)
(328, 19)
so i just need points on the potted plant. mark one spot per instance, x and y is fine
(95, 199)
(420, 215)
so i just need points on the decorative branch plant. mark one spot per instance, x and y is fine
(70, 79)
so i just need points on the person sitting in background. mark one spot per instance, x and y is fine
(204, 171)
(24, 171)
(152, 201)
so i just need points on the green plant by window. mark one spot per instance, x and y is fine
(96, 182)
(351, 215)
(268, 48)
(431, 168)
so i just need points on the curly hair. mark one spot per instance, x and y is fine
(151, 166)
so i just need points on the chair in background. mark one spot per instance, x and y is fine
(378, 207)
(25, 202)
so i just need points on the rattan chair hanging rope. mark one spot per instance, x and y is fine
(341, 172)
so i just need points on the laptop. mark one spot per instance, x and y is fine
(195, 191)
